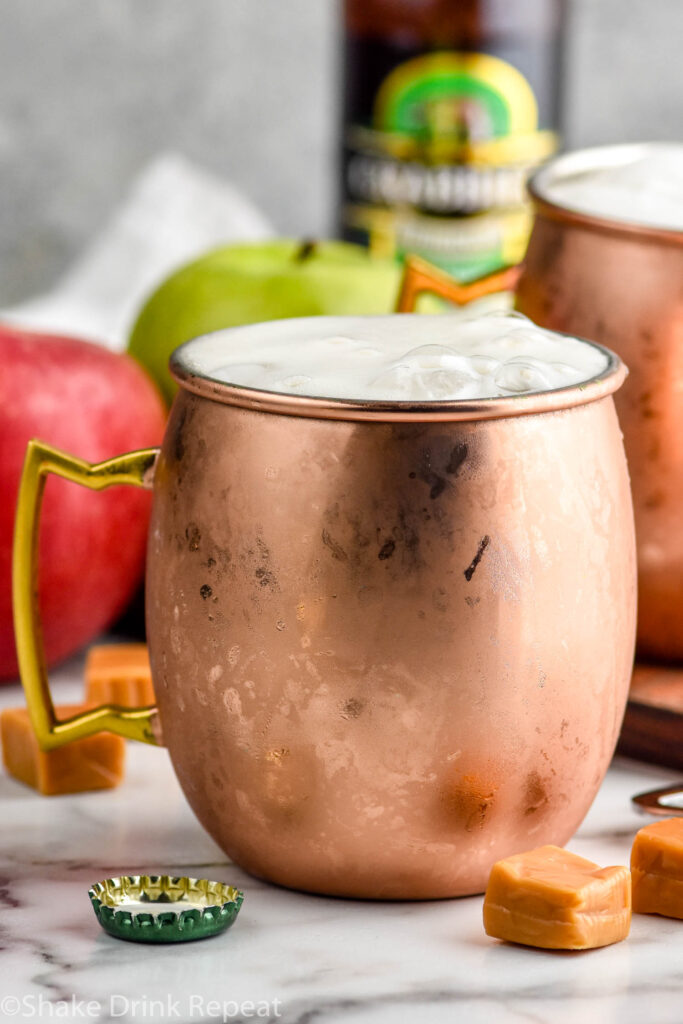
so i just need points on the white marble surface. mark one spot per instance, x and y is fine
(303, 959)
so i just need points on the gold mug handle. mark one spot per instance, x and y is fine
(420, 276)
(136, 468)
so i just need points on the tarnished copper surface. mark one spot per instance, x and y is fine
(389, 651)
(622, 285)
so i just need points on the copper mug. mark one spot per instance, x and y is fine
(622, 284)
(390, 643)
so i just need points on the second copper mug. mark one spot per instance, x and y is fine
(390, 643)
(621, 284)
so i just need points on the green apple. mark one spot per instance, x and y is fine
(246, 283)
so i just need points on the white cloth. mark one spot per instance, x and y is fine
(175, 211)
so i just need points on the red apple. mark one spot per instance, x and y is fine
(95, 404)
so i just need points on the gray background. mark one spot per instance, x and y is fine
(92, 89)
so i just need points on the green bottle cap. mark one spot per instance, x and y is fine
(162, 908)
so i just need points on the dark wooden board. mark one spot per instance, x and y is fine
(653, 724)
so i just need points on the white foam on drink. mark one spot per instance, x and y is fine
(640, 185)
(403, 357)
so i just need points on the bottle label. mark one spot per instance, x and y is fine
(442, 168)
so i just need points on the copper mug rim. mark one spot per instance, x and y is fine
(185, 371)
(594, 158)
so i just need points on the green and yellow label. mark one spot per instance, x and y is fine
(441, 170)
(460, 107)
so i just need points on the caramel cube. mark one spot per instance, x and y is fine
(657, 869)
(119, 674)
(95, 762)
(556, 900)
